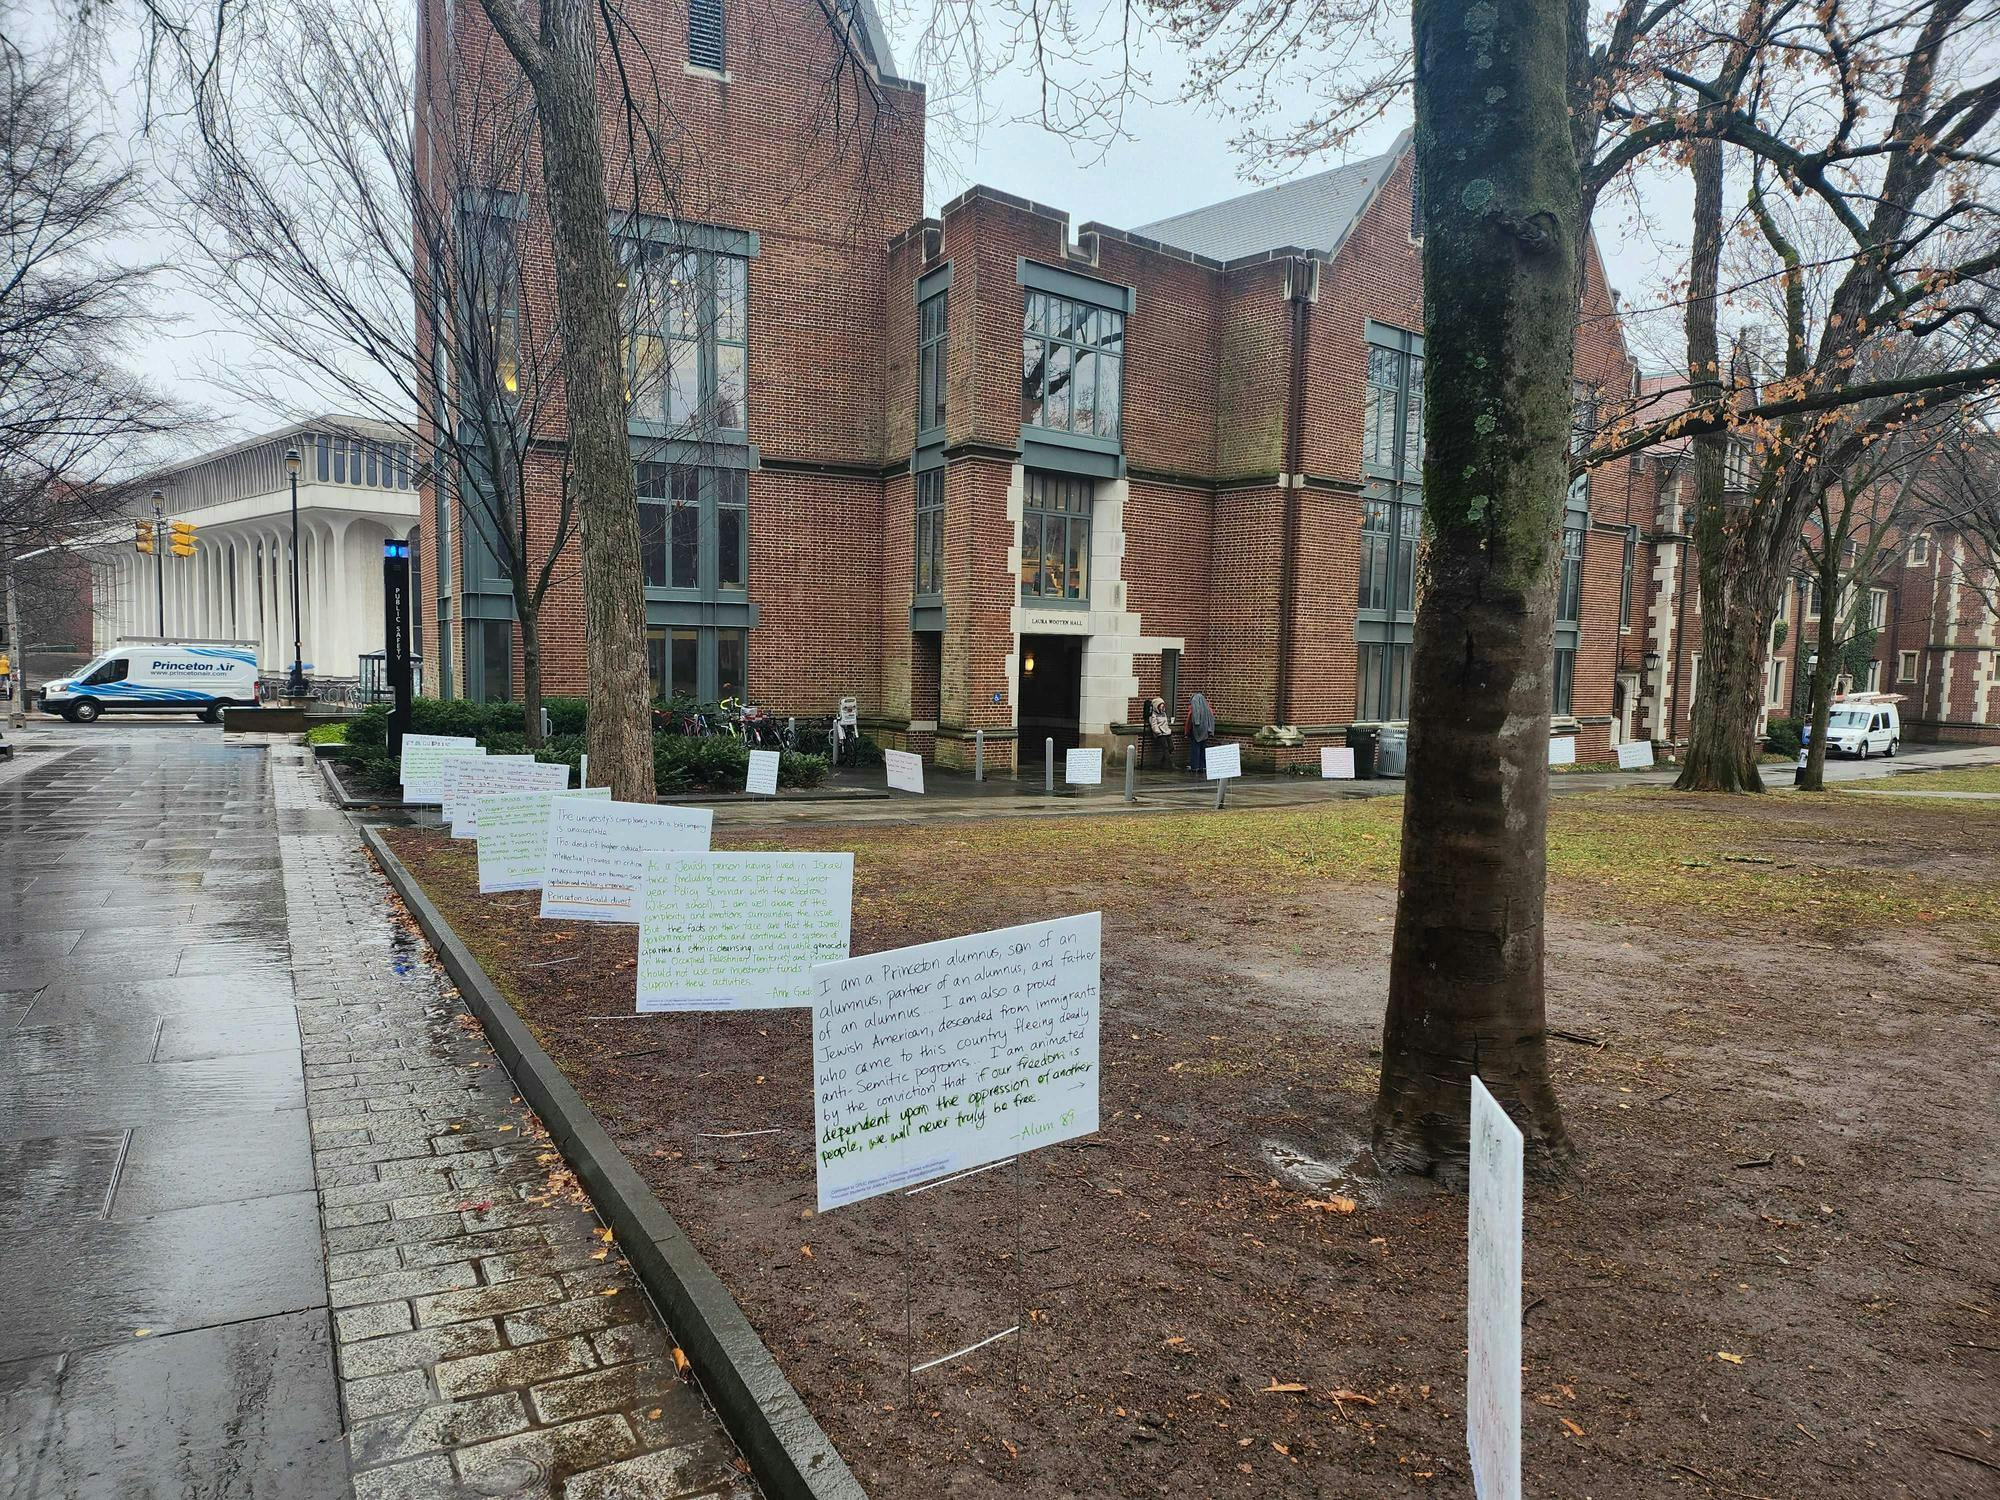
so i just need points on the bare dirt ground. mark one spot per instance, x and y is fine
(1771, 1271)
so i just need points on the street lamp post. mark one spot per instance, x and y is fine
(296, 683)
(159, 557)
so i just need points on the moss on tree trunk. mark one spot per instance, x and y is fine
(1501, 232)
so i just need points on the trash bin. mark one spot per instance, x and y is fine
(1364, 740)
(1394, 751)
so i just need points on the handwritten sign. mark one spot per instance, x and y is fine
(461, 772)
(1083, 767)
(421, 764)
(762, 779)
(597, 854)
(514, 837)
(1562, 750)
(1635, 755)
(1336, 763)
(499, 773)
(906, 771)
(1224, 761)
(1493, 1301)
(947, 1056)
(740, 931)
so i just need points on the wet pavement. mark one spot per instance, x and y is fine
(273, 1222)
(163, 1297)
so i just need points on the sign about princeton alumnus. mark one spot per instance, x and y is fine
(1562, 750)
(761, 780)
(952, 1055)
(1336, 762)
(1635, 755)
(1493, 1300)
(514, 837)
(905, 771)
(496, 774)
(421, 764)
(740, 931)
(1083, 767)
(597, 854)
(1224, 761)
(462, 771)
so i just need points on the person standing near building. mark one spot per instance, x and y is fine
(1159, 730)
(1200, 730)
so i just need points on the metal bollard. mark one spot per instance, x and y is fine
(1131, 773)
(1049, 765)
(545, 724)
(978, 755)
(1221, 789)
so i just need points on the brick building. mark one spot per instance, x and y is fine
(994, 471)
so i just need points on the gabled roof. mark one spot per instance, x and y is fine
(1308, 213)
(874, 36)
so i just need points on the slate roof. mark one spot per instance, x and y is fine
(874, 35)
(1309, 213)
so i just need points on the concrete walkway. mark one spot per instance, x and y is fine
(163, 1298)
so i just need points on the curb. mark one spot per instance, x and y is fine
(339, 794)
(790, 1455)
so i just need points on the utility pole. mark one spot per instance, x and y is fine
(160, 558)
(295, 685)
(17, 650)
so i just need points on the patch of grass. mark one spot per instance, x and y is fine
(327, 734)
(1972, 779)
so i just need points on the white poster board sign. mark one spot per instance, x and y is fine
(740, 931)
(1224, 761)
(947, 1056)
(1562, 750)
(496, 774)
(514, 837)
(461, 771)
(1493, 1301)
(1336, 763)
(421, 763)
(597, 854)
(762, 779)
(1083, 767)
(1635, 755)
(906, 771)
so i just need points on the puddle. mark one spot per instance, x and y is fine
(1352, 1172)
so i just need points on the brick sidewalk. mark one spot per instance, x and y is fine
(490, 1340)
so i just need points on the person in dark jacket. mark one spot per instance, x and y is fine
(1200, 730)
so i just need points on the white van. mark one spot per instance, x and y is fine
(180, 676)
(1864, 724)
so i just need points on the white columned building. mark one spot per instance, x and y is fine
(357, 489)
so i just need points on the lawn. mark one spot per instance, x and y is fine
(1768, 1274)
(1974, 779)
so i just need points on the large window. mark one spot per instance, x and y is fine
(489, 660)
(704, 662)
(1626, 564)
(1055, 537)
(930, 534)
(1569, 583)
(1569, 601)
(1385, 682)
(694, 528)
(1072, 366)
(1878, 608)
(705, 34)
(1562, 682)
(1389, 533)
(1392, 416)
(930, 362)
(685, 338)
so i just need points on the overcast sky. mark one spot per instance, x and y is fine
(1171, 158)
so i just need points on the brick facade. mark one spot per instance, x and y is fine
(1226, 521)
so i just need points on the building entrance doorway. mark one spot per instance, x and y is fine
(1050, 692)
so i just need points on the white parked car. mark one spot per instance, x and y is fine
(186, 677)
(1864, 724)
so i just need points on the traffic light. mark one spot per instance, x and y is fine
(142, 536)
(180, 541)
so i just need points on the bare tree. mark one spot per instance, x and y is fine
(72, 419)
(377, 257)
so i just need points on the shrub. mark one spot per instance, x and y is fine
(327, 734)
(798, 769)
(1782, 737)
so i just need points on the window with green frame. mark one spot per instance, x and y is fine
(1392, 414)
(930, 534)
(1072, 365)
(1569, 600)
(694, 528)
(684, 339)
(1392, 456)
(1055, 537)
(931, 314)
(707, 663)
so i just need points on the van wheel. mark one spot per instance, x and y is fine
(212, 714)
(1862, 753)
(84, 712)
(1891, 751)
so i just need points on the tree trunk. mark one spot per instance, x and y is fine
(1501, 231)
(620, 731)
(530, 616)
(1826, 667)
(17, 649)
